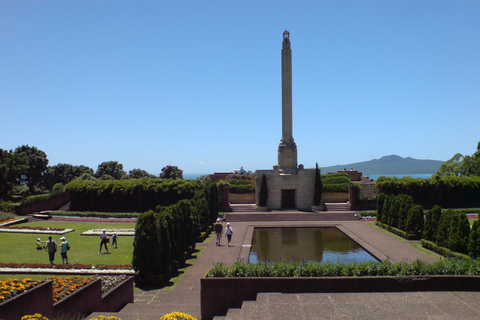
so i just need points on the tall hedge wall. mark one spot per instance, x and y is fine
(133, 195)
(447, 192)
(164, 239)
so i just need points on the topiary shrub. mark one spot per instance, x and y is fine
(263, 192)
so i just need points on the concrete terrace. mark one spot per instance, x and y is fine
(185, 297)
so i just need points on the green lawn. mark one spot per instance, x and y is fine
(21, 247)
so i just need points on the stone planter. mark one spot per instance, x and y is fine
(217, 295)
(83, 301)
(35, 300)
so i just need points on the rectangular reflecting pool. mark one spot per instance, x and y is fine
(327, 244)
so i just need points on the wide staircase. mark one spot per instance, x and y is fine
(342, 206)
(273, 306)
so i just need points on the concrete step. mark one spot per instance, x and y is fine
(337, 206)
(297, 216)
(243, 207)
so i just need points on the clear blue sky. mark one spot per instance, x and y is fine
(197, 84)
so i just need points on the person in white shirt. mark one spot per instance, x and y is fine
(229, 232)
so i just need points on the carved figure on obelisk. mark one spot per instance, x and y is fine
(287, 149)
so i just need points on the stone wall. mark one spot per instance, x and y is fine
(302, 183)
(335, 197)
(242, 198)
(217, 295)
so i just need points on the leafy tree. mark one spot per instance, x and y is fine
(171, 172)
(263, 192)
(386, 208)
(12, 167)
(460, 165)
(432, 218)
(318, 187)
(37, 165)
(87, 176)
(111, 168)
(406, 202)
(474, 240)
(393, 211)
(443, 231)
(456, 240)
(415, 221)
(140, 174)
(452, 167)
(380, 202)
(64, 173)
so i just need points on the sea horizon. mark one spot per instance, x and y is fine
(193, 176)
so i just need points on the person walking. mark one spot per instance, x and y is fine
(114, 240)
(104, 240)
(63, 249)
(229, 232)
(218, 231)
(51, 248)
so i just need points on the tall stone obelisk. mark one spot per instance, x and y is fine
(287, 149)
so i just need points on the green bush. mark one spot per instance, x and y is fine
(464, 266)
(447, 192)
(442, 250)
(132, 195)
(336, 182)
(415, 221)
(380, 202)
(263, 193)
(95, 214)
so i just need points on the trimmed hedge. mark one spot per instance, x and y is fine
(132, 195)
(336, 182)
(442, 251)
(95, 214)
(447, 192)
(396, 231)
(366, 269)
(165, 238)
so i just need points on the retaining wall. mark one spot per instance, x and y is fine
(53, 203)
(83, 301)
(219, 294)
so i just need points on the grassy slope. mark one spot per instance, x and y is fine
(21, 247)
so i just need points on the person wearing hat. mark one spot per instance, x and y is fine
(104, 240)
(63, 250)
(39, 244)
(229, 232)
(218, 231)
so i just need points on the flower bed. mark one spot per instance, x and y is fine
(93, 219)
(11, 287)
(26, 229)
(71, 296)
(76, 268)
(120, 232)
(12, 221)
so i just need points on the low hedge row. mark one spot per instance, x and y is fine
(95, 214)
(366, 269)
(442, 251)
(396, 231)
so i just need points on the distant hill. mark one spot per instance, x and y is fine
(392, 164)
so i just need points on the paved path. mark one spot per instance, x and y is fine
(185, 297)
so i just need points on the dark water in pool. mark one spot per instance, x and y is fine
(305, 244)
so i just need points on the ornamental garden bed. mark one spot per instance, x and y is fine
(66, 297)
(109, 232)
(229, 293)
(39, 230)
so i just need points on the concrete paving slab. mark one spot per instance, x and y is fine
(185, 297)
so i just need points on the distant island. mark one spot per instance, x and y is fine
(389, 165)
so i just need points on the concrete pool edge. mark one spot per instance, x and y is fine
(247, 240)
